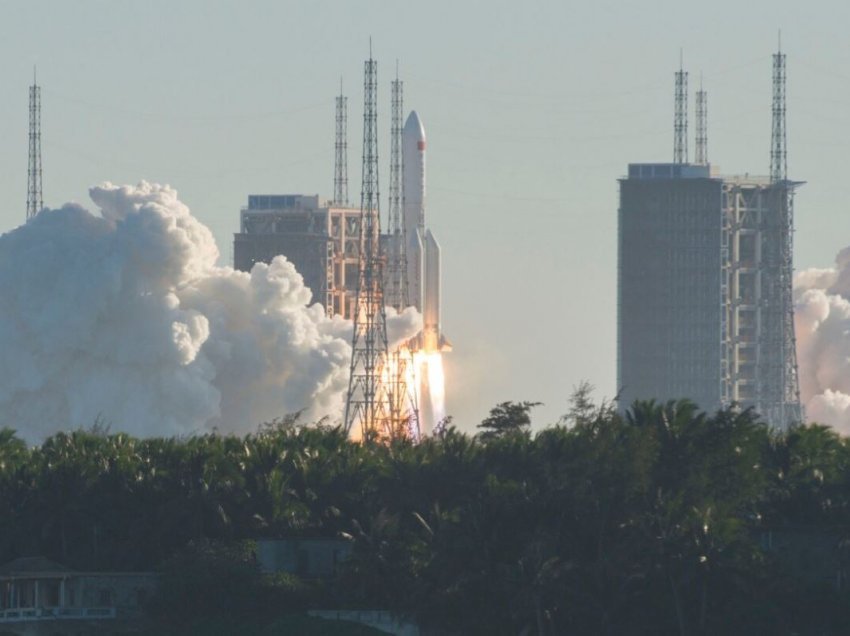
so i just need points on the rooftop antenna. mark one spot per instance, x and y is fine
(341, 150)
(701, 149)
(35, 203)
(367, 408)
(680, 120)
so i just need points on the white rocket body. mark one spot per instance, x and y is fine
(423, 251)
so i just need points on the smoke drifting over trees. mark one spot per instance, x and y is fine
(822, 316)
(125, 317)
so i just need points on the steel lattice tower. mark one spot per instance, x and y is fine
(680, 119)
(368, 401)
(398, 294)
(34, 197)
(778, 138)
(701, 148)
(790, 410)
(403, 407)
(341, 150)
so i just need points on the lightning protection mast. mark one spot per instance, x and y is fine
(701, 149)
(341, 150)
(398, 295)
(367, 408)
(403, 408)
(680, 117)
(34, 198)
(790, 410)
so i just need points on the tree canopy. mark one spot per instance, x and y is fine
(665, 520)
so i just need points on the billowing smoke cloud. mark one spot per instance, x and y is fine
(822, 318)
(125, 317)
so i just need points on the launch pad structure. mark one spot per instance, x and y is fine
(356, 272)
(705, 308)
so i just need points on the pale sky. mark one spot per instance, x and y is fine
(532, 111)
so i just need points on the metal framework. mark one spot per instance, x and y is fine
(680, 119)
(398, 293)
(35, 203)
(701, 148)
(789, 408)
(760, 360)
(778, 138)
(750, 309)
(367, 408)
(760, 355)
(341, 150)
(403, 406)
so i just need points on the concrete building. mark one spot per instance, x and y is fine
(41, 597)
(703, 301)
(318, 237)
(306, 558)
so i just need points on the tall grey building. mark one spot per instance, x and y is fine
(320, 238)
(704, 306)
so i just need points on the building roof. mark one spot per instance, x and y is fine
(32, 565)
(670, 171)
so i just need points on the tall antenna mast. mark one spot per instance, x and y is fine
(680, 120)
(778, 140)
(341, 148)
(35, 203)
(397, 293)
(367, 408)
(790, 410)
(403, 407)
(701, 150)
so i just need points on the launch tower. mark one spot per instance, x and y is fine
(704, 280)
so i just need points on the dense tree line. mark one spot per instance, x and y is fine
(648, 523)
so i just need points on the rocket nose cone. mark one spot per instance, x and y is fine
(413, 126)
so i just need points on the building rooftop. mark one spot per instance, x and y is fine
(262, 204)
(31, 565)
(282, 201)
(670, 171)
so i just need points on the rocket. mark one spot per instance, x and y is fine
(423, 251)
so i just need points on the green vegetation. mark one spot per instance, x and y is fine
(665, 521)
(290, 625)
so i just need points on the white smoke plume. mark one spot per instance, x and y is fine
(401, 327)
(822, 321)
(125, 317)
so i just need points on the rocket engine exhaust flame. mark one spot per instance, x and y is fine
(418, 401)
(400, 377)
(430, 364)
